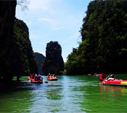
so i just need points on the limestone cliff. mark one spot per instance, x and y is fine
(104, 40)
(7, 16)
(22, 55)
(54, 61)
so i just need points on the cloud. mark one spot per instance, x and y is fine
(54, 14)
(41, 5)
(55, 24)
(45, 20)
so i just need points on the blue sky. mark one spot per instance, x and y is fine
(54, 20)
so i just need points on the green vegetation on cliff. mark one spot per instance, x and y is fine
(23, 57)
(104, 40)
(16, 54)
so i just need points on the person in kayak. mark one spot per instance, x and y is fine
(112, 78)
(53, 76)
(39, 77)
(102, 77)
(35, 77)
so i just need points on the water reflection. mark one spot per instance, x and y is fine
(98, 98)
(67, 95)
(113, 92)
(113, 89)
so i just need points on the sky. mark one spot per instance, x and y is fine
(53, 20)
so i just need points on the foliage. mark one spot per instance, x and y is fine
(104, 40)
(23, 4)
(22, 56)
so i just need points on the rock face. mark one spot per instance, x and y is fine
(40, 61)
(22, 55)
(7, 16)
(54, 62)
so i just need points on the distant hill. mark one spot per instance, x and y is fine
(40, 60)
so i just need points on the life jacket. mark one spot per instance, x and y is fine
(102, 77)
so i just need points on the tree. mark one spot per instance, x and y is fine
(104, 39)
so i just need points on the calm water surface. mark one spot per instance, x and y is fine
(70, 94)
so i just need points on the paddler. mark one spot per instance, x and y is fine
(102, 77)
(111, 78)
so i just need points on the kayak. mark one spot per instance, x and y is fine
(52, 79)
(38, 81)
(32, 80)
(114, 82)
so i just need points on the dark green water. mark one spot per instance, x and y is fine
(78, 94)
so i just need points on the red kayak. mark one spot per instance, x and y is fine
(35, 78)
(114, 82)
(38, 81)
(110, 80)
(52, 79)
